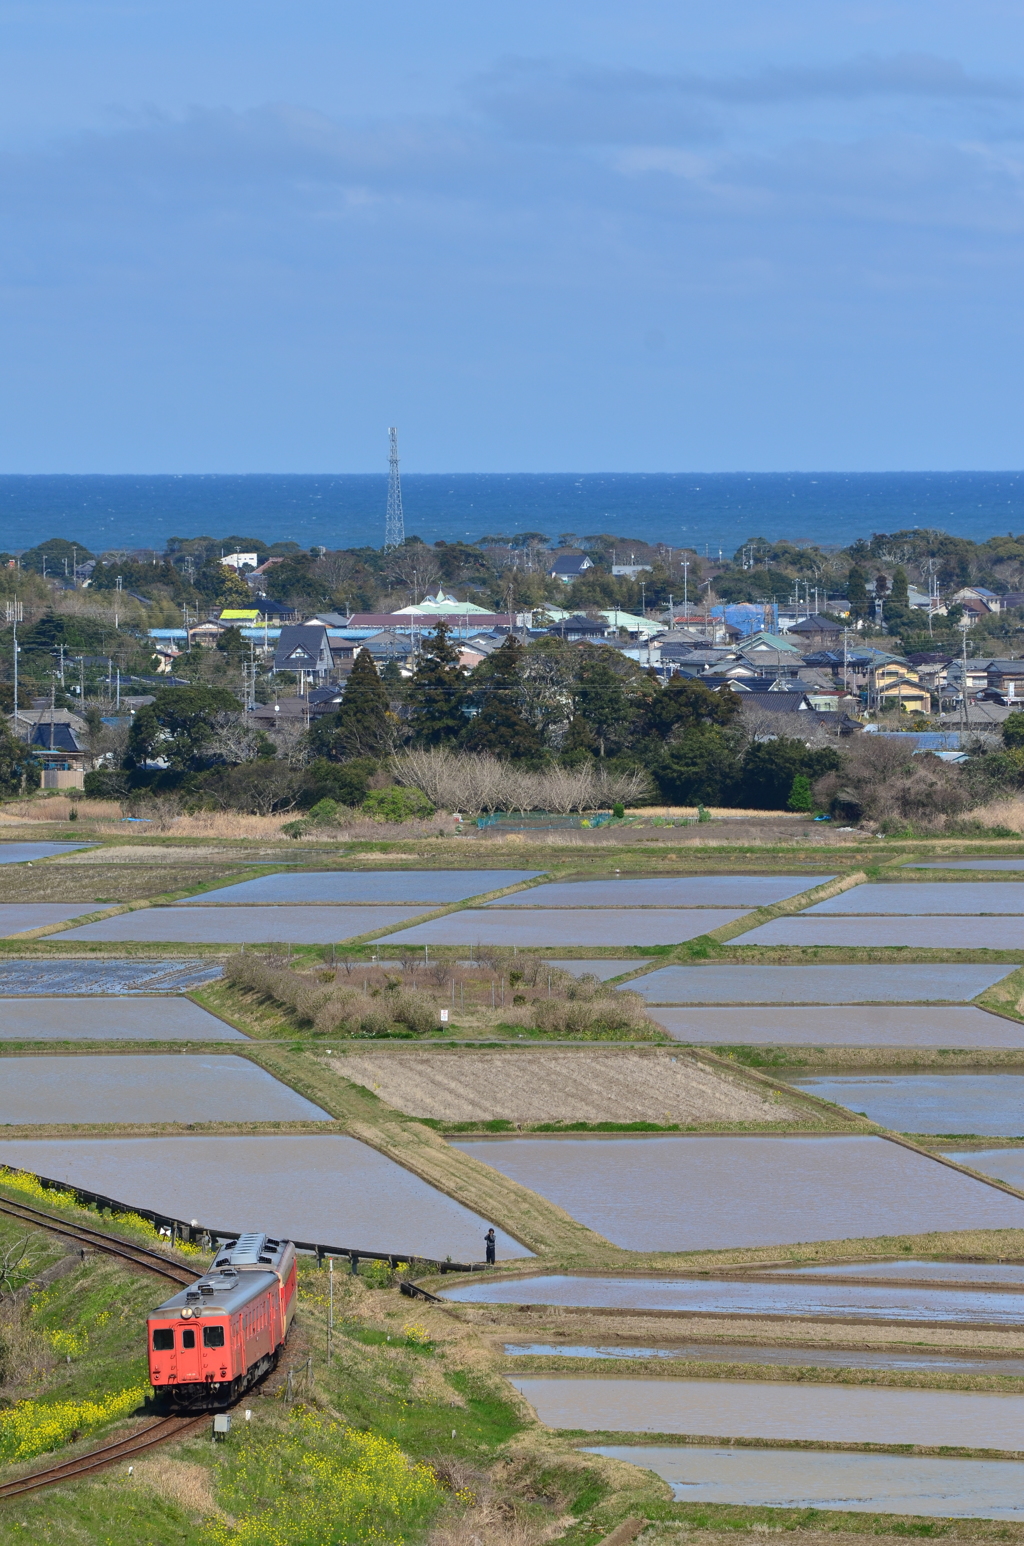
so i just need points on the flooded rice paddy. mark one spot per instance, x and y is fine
(748, 1409)
(601, 968)
(855, 984)
(427, 888)
(881, 1025)
(731, 1296)
(743, 891)
(296, 925)
(664, 1194)
(19, 917)
(923, 897)
(783, 1357)
(1004, 1164)
(970, 864)
(991, 1104)
(25, 853)
(328, 1189)
(102, 977)
(932, 933)
(862, 1484)
(535, 926)
(998, 1274)
(114, 1019)
(147, 1088)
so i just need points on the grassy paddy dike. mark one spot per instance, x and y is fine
(430, 1378)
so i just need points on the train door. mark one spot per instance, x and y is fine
(189, 1368)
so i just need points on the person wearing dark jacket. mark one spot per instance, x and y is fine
(490, 1242)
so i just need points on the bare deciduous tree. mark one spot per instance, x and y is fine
(234, 738)
(475, 782)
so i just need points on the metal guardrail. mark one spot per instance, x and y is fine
(192, 1232)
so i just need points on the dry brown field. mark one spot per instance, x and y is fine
(591, 1085)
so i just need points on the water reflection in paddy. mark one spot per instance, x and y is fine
(1004, 1274)
(500, 925)
(244, 925)
(431, 888)
(929, 1103)
(1003, 1164)
(927, 933)
(868, 1301)
(752, 1409)
(863, 1484)
(330, 1189)
(783, 1357)
(154, 1088)
(137, 1018)
(840, 984)
(688, 1193)
(877, 1025)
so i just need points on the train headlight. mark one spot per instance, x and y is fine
(186, 1314)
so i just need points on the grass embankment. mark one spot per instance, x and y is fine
(414, 1381)
(71, 1359)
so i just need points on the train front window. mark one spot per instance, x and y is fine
(213, 1336)
(163, 1341)
(188, 1339)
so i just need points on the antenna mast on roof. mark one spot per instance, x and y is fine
(394, 530)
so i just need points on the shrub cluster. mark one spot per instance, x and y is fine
(379, 1004)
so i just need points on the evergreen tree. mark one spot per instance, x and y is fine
(438, 691)
(17, 769)
(364, 726)
(601, 699)
(898, 615)
(800, 797)
(857, 593)
(578, 745)
(499, 727)
(232, 590)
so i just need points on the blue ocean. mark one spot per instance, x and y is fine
(704, 511)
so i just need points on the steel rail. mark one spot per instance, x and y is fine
(113, 1245)
(159, 1432)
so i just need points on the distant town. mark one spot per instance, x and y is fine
(267, 677)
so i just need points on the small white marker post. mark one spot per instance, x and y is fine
(330, 1312)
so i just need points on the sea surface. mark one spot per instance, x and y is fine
(705, 511)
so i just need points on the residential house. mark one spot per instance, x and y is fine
(817, 632)
(897, 683)
(572, 629)
(205, 633)
(977, 601)
(569, 566)
(1006, 678)
(306, 651)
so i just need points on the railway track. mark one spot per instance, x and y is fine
(113, 1245)
(138, 1443)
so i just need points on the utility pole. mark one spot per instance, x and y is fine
(16, 653)
(394, 526)
(686, 590)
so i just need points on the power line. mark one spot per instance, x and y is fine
(394, 529)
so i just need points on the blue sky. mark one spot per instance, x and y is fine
(645, 236)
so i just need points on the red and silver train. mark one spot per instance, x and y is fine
(210, 1342)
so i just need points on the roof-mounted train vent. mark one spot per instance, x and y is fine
(247, 1250)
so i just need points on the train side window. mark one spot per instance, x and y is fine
(188, 1339)
(213, 1336)
(163, 1340)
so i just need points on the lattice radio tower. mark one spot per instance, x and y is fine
(394, 530)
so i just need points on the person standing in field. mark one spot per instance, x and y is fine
(489, 1243)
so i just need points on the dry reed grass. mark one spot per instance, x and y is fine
(56, 807)
(1001, 813)
(182, 1482)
